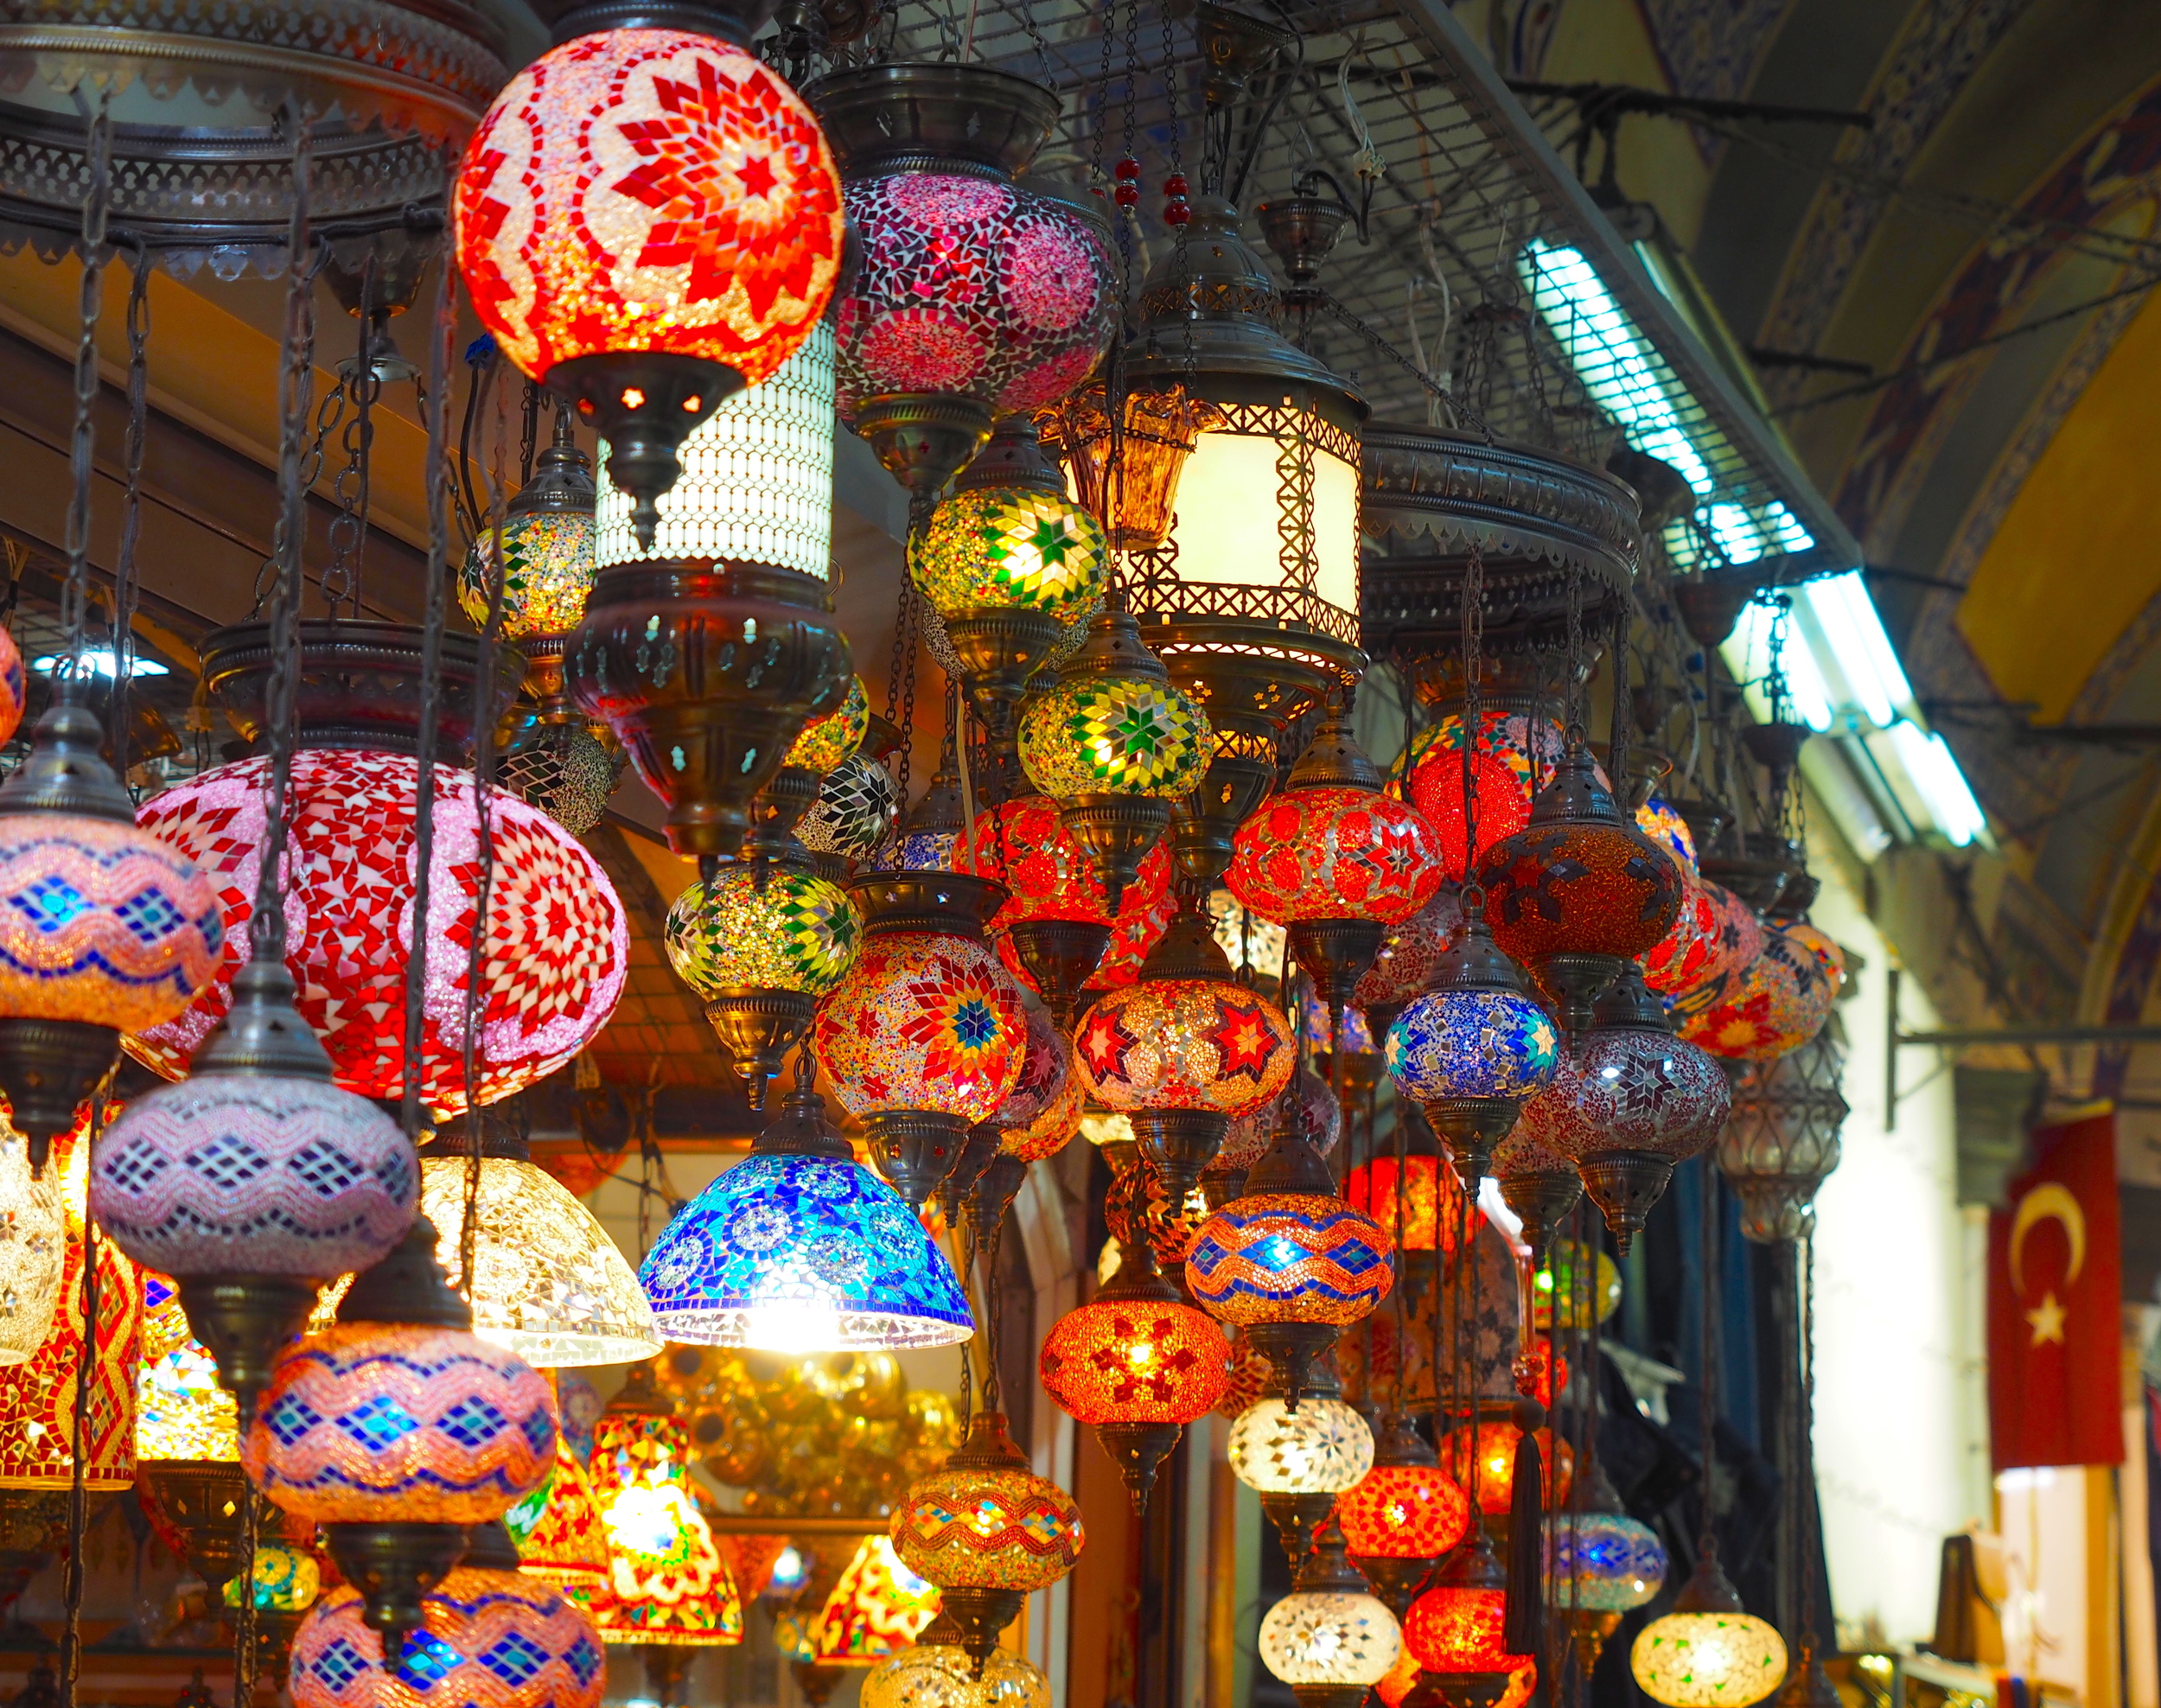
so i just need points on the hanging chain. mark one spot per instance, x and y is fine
(75, 591)
(1618, 735)
(1575, 707)
(1474, 620)
(528, 431)
(349, 529)
(125, 584)
(86, 1369)
(1709, 1234)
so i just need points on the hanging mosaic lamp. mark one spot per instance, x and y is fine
(1709, 1652)
(1137, 1364)
(1630, 1101)
(255, 1181)
(932, 197)
(560, 1535)
(1336, 860)
(798, 1249)
(836, 737)
(553, 760)
(924, 1037)
(182, 1412)
(761, 946)
(1472, 1047)
(39, 1442)
(14, 687)
(1113, 743)
(1540, 1184)
(490, 1636)
(548, 1282)
(987, 1531)
(929, 838)
(1403, 1514)
(1011, 565)
(1417, 1199)
(1481, 1459)
(1300, 1460)
(557, 940)
(1662, 821)
(1601, 1563)
(671, 1588)
(1693, 954)
(648, 221)
(1774, 1004)
(854, 812)
(399, 1427)
(1310, 1103)
(1782, 1138)
(1579, 892)
(1330, 1639)
(1456, 1629)
(1290, 1262)
(1184, 1050)
(33, 1249)
(1410, 950)
(1516, 751)
(877, 1610)
(1042, 1115)
(934, 1673)
(108, 928)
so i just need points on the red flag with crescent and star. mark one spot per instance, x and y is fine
(2055, 1283)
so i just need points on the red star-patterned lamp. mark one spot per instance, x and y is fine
(1138, 1364)
(1183, 1050)
(1336, 860)
(1403, 1514)
(648, 221)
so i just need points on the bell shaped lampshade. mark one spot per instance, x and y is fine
(33, 1250)
(37, 1394)
(1329, 1636)
(799, 1249)
(549, 1284)
(561, 1537)
(180, 1411)
(875, 1610)
(935, 1673)
(671, 1585)
(490, 1636)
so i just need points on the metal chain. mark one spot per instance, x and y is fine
(1474, 621)
(296, 384)
(124, 585)
(1620, 733)
(85, 1378)
(349, 529)
(75, 591)
(1578, 673)
(328, 413)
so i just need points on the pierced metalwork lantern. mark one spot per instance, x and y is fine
(1782, 1138)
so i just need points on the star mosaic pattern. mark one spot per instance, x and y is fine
(1184, 1044)
(1472, 1043)
(648, 190)
(1513, 755)
(277, 1176)
(1335, 853)
(1114, 734)
(1325, 1638)
(547, 574)
(1404, 1512)
(1322, 1448)
(854, 812)
(1579, 888)
(1006, 547)
(923, 1022)
(972, 287)
(1289, 1257)
(487, 1639)
(370, 1422)
(1136, 1362)
(559, 944)
(779, 1234)
(794, 931)
(1630, 1089)
(102, 922)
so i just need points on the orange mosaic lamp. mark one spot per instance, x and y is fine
(878, 1609)
(1403, 1515)
(38, 1397)
(670, 1584)
(1485, 1463)
(561, 1537)
(1455, 1629)
(987, 1530)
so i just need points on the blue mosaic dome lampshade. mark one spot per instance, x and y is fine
(1472, 1047)
(799, 1249)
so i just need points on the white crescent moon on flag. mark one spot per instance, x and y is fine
(2051, 1199)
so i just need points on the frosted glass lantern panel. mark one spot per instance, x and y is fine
(1227, 528)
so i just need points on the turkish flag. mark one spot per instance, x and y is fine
(2054, 1279)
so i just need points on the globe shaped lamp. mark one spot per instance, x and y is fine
(1458, 1629)
(1603, 1562)
(1410, 950)
(1783, 1138)
(829, 741)
(545, 546)
(935, 1673)
(875, 1610)
(1771, 1006)
(647, 221)
(1630, 1101)
(925, 1037)
(1471, 1047)
(1113, 743)
(548, 1281)
(1290, 1263)
(853, 814)
(986, 1531)
(109, 928)
(1579, 892)
(1043, 1113)
(1336, 860)
(399, 1427)
(1416, 1200)
(1330, 1638)
(1008, 561)
(1403, 1514)
(1136, 1363)
(1511, 751)
(1183, 1051)
(1483, 1460)
(1710, 1651)
(798, 1249)
(490, 1636)
(1299, 1462)
(761, 946)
